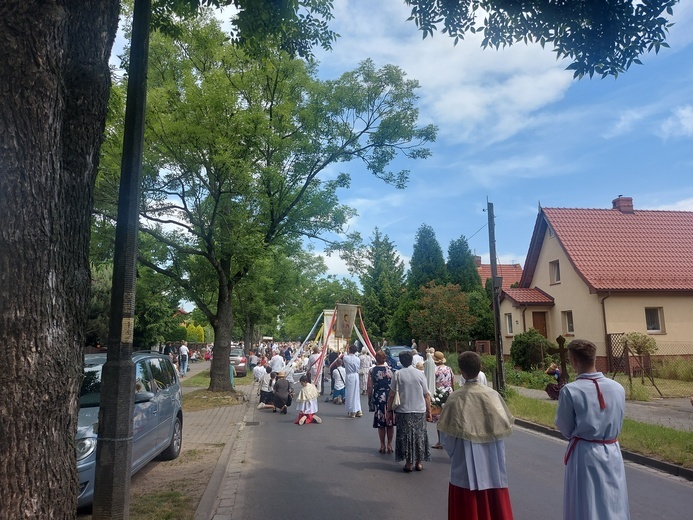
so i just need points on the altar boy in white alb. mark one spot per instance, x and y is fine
(590, 415)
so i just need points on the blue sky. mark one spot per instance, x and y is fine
(514, 127)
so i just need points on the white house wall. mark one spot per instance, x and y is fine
(626, 313)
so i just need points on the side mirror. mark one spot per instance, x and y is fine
(143, 397)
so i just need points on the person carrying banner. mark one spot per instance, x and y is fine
(314, 368)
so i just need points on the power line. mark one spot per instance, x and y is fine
(477, 231)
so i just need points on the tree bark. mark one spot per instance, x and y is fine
(54, 86)
(223, 325)
(248, 335)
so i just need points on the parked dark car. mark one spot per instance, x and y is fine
(393, 356)
(238, 359)
(157, 418)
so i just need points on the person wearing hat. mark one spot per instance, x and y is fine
(444, 380)
(281, 393)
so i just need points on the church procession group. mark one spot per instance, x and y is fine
(471, 422)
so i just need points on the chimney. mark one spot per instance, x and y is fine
(477, 261)
(623, 204)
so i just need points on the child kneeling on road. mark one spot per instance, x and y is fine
(307, 403)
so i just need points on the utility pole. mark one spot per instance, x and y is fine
(499, 382)
(114, 448)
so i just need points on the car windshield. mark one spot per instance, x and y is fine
(237, 352)
(396, 351)
(90, 393)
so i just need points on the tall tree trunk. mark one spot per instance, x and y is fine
(54, 85)
(248, 334)
(223, 325)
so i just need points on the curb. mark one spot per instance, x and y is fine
(665, 467)
(208, 503)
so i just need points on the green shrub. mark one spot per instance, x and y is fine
(676, 369)
(638, 392)
(536, 379)
(488, 364)
(529, 349)
(641, 343)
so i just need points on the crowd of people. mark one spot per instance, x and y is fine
(471, 426)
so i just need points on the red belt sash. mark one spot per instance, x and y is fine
(574, 441)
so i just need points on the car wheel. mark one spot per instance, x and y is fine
(173, 449)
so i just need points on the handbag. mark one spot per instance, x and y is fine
(396, 403)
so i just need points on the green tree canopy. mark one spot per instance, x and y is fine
(461, 268)
(481, 307)
(382, 280)
(236, 149)
(602, 37)
(294, 26)
(441, 314)
(427, 263)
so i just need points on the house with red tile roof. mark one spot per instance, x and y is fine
(598, 273)
(510, 273)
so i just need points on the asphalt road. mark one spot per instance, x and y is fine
(334, 471)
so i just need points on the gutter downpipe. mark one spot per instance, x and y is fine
(524, 321)
(606, 335)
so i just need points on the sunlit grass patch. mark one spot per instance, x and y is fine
(204, 400)
(200, 379)
(651, 440)
(163, 505)
(534, 410)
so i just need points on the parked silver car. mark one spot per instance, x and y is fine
(157, 418)
(237, 358)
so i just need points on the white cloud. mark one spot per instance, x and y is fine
(680, 34)
(680, 123)
(681, 205)
(335, 265)
(493, 173)
(625, 123)
(473, 94)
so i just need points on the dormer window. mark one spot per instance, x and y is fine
(555, 272)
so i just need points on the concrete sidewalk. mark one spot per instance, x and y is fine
(227, 425)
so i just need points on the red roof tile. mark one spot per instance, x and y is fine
(511, 273)
(612, 250)
(527, 296)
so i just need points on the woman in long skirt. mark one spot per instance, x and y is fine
(412, 414)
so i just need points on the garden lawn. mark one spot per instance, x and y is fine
(658, 442)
